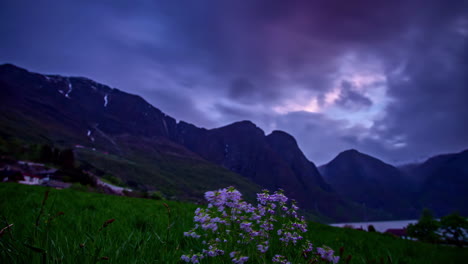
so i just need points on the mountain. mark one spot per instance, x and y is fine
(440, 183)
(371, 182)
(113, 132)
(273, 161)
(124, 135)
(118, 133)
(444, 187)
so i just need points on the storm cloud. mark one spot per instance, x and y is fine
(385, 77)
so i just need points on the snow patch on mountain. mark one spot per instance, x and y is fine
(105, 100)
(165, 127)
(89, 135)
(70, 89)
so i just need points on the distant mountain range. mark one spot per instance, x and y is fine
(124, 135)
(369, 181)
(443, 183)
(440, 183)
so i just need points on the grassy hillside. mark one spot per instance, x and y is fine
(143, 164)
(145, 231)
(176, 178)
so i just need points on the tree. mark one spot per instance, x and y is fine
(46, 153)
(425, 229)
(67, 159)
(56, 156)
(454, 228)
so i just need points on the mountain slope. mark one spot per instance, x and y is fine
(121, 133)
(273, 161)
(369, 181)
(148, 149)
(445, 183)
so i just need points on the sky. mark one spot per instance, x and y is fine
(388, 78)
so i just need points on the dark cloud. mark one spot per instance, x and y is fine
(178, 106)
(321, 138)
(212, 62)
(429, 92)
(242, 89)
(351, 99)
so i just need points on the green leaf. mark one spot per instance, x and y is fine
(35, 249)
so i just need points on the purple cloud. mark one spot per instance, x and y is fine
(384, 77)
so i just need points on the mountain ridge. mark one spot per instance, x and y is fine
(77, 110)
(440, 183)
(183, 159)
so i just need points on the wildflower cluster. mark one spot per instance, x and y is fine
(233, 229)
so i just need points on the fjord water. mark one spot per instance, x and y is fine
(380, 226)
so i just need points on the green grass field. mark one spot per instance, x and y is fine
(144, 231)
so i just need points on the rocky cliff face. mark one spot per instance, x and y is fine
(83, 103)
(273, 161)
(286, 147)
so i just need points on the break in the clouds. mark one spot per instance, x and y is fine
(386, 77)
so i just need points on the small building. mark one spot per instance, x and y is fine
(31, 179)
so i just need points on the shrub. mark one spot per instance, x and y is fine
(234, 230)
(157, 195)
(454, 228)
(425, 229)
(113, 180)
